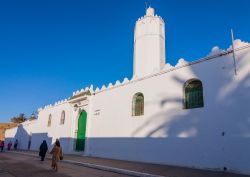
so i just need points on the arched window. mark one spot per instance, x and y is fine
(138, 104)
(193, 94)
(62, 118)
(49, 120)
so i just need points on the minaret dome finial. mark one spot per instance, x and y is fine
(150, 11)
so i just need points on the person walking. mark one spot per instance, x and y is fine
(9, 145)
(15, 144)
(2, 146)
(43, 150)
(56, 155)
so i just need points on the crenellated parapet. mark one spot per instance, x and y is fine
(90, 90)
(112, 86)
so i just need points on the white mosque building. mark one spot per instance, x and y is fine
(193, 114)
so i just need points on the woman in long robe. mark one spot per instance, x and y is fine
(43, 150)
(56, 155)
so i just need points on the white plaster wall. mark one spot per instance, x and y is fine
(21, 133)
(169, 134)
(39, 130)
(10, 136)
(56, 130)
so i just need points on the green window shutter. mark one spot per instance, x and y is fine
(193, 95)
(138, 104)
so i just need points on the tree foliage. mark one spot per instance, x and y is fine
(33, 116)
(19, 119)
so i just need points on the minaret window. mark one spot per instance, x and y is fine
(193, 94)
(138, 104)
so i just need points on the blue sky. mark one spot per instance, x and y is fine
(50, 48)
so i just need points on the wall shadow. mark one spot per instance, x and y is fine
(28, 141)
(216, 135)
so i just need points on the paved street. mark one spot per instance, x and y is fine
(16, 165)
(27, 164)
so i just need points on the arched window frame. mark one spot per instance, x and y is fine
(62, 120)
(49, 120)
(138, 105)
(198, 99)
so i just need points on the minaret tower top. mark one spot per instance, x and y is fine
(149, 44)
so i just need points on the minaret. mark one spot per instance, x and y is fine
(149, 44)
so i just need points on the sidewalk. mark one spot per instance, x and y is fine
(135, 168)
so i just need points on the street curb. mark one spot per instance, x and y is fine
(99, 167)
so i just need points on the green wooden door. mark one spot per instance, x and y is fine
(81, 133)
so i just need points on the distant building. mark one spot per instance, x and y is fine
(3, 127)
(193, 114)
